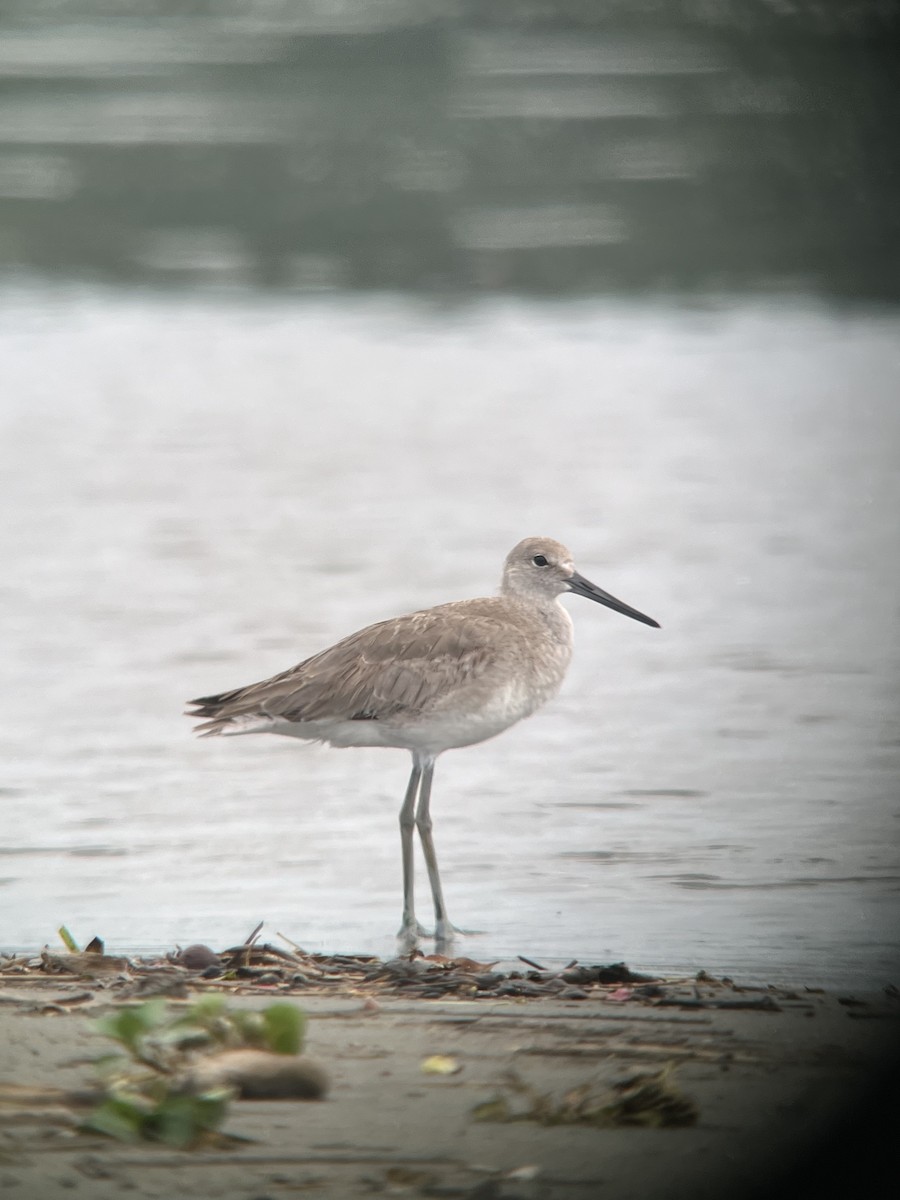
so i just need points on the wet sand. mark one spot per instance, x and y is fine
(789, 1094)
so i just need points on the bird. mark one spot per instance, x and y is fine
(429, 681)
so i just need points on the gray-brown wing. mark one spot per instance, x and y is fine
(397, 667)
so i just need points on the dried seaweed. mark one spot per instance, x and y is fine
(647, 1100)
(260, 968)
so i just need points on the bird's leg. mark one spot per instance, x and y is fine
(409, 930)
(443, 930)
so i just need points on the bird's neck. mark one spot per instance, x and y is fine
(547, 610)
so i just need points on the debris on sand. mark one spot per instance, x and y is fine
(255, 968)
(648, 1100)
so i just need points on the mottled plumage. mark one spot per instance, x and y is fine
(427, 682)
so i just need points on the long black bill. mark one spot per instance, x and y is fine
(583, 587)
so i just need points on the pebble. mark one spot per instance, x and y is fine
(260, 1075)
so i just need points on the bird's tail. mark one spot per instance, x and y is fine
(225, 716)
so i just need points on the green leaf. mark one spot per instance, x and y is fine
(183, 1036)
(207, 1008)
(68, 941)
(129, 1025)
(174, 1123)
(284, 1028)
(117, 1118)
(250, 1026)
(180, 1120)
(212, 1106)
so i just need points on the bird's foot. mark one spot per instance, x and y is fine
(444, 934)
(410, 932)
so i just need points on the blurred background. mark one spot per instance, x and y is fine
(310, 311)
(563, 147)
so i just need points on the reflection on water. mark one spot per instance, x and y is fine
(553, 148)
(204, 492)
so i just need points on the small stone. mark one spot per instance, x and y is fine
(260, 1075)
(197, 958)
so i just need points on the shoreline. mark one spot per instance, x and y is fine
(782, 1083)
(785, 975)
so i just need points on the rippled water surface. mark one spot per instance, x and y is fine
(199, 493)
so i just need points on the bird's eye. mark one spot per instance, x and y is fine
(539, 560)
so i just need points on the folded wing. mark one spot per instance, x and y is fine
(394, 669)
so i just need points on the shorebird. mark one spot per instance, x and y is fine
(427, 682)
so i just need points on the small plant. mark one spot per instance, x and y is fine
(147, 1089)
(146, 1110)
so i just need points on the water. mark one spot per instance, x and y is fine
(200, 492)
(547, 149)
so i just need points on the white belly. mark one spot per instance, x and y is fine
(446, 727)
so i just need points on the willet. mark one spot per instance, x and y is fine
(427, 682)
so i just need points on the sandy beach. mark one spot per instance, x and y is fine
(776, 1088)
